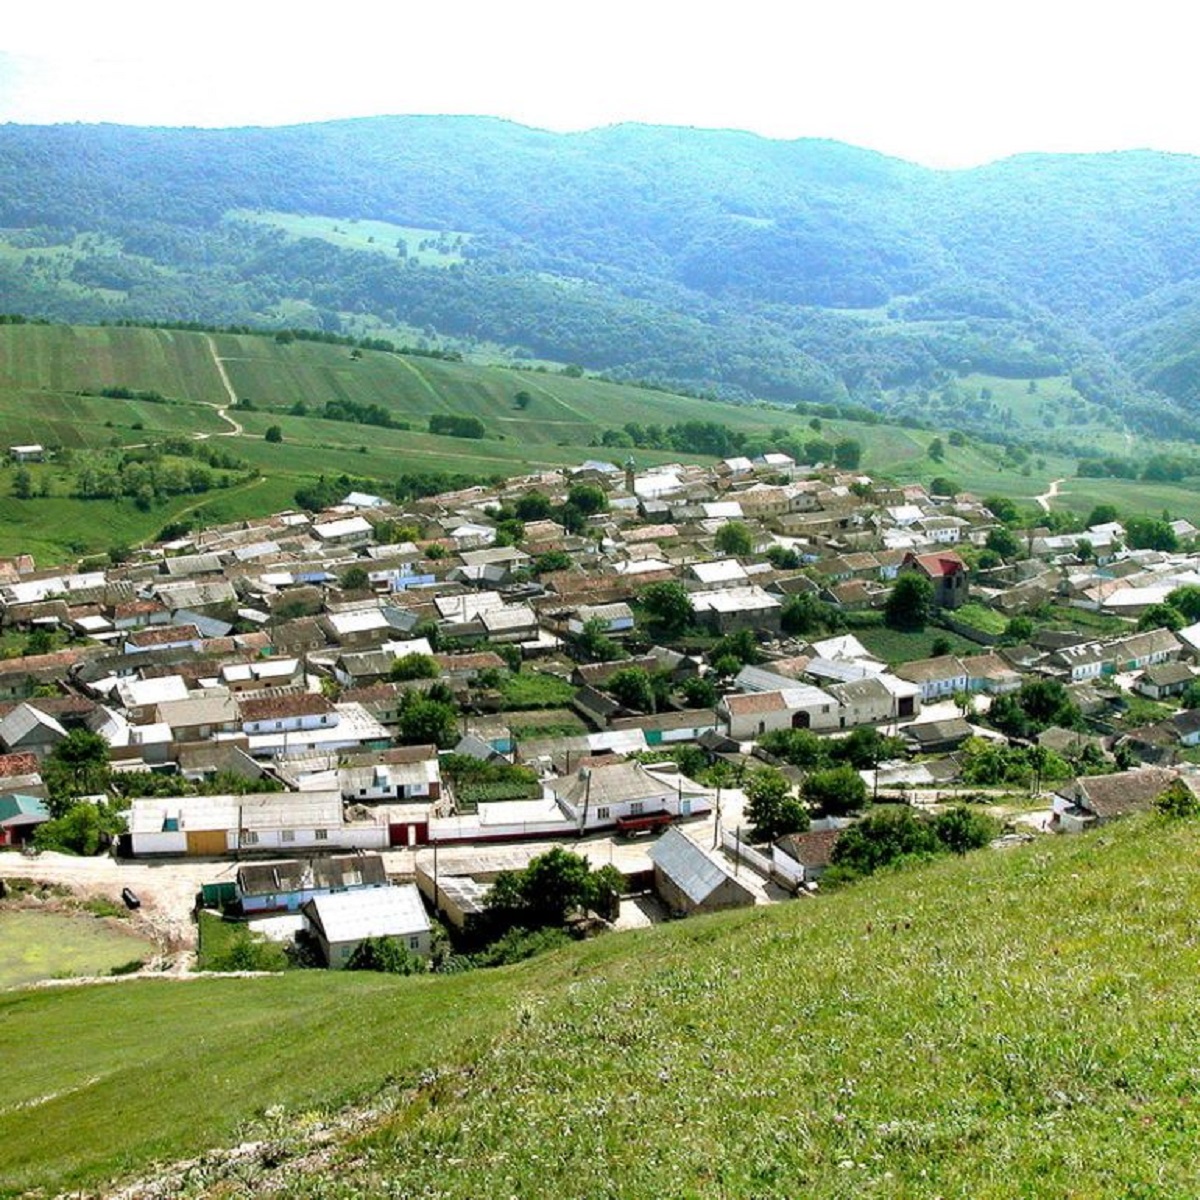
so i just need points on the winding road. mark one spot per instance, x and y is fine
(235, 429)
(1049, 494)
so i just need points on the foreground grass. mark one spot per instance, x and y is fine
(1016, 1023)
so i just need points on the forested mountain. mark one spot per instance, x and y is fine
(719, 261)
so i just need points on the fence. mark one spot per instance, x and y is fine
(740, 852)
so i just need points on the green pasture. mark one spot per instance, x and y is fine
(375, 237)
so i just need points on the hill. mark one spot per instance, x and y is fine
(1012, 1023)
(156, 427)
(719, 260)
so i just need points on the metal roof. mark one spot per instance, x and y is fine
(687, 866)
(371, 912)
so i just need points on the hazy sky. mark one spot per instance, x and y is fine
(939, 82)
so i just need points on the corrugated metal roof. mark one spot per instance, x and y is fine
(372, 912)
(687, 866)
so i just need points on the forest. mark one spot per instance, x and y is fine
(715, 261)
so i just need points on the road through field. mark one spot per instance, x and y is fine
(235, 428)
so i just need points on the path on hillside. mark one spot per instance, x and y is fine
(1049, 494)
(235, 429)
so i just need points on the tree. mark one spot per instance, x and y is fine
(1018, 629)
(422, 720)
(1186, 600)
(355, 579)
(522, 400)
(909, 604)
(940, 646)
(385, 954)
(1148, 533)
(940, 485)
(847, 454)
(772, 808)
(835, 791)
(552, 560)
(803, 613)
(593, 642)
(937, 450)
(960, 829)
(1003, 509)
(632, 688)
(733, 538)
(698, 692)
(551, 887)
(1003, 541)
(1102, 514)
(883, 838)
(77, 766)
(83, 829)
(783, 558)
(669, 607)
(413, 666)
(1161, 616)
(1178, 801)
(533, 506)
(22, 486)
(588, 498)
(274, 434)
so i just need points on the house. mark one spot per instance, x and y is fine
(936, 677)
(278, 822)
(688, 881)
(874, 700)
(1097, 799)
(799, 706)
(1164, 680)
(938, 737)
(286, 712)
(1079, 663)
(341, 920)
(286, 884)
(28, 730)
(730, 609)
(351, 531)
(616, 618)
(24, 454)
(798, 859)
(406, 773)
(163, 637)
(20, 816)
(624, 793)
(946, 571)
(1140, 650)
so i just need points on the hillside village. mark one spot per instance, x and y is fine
(602, 657)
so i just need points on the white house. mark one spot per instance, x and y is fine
(344, 919)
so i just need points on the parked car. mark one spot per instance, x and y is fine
(131, 898)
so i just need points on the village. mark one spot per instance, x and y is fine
(348, 722)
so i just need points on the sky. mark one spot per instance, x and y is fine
(946, 84)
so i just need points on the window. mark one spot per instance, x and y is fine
(287, 835)
(249, 837)
(602, 814)
(322, 835)
(414, 943)
(635, 808)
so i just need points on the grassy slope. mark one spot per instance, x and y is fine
(1012, 1024)
(42, 369)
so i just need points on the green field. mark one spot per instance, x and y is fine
(376, 237)
(1015, 1023)
(45, 945)
(43, 370)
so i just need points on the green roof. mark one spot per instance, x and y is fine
(13, 807)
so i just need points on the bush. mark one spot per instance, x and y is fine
(387, 955)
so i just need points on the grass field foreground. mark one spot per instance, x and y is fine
(1015, 1023)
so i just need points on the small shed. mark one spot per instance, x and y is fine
(688, 881)
(24, 454)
